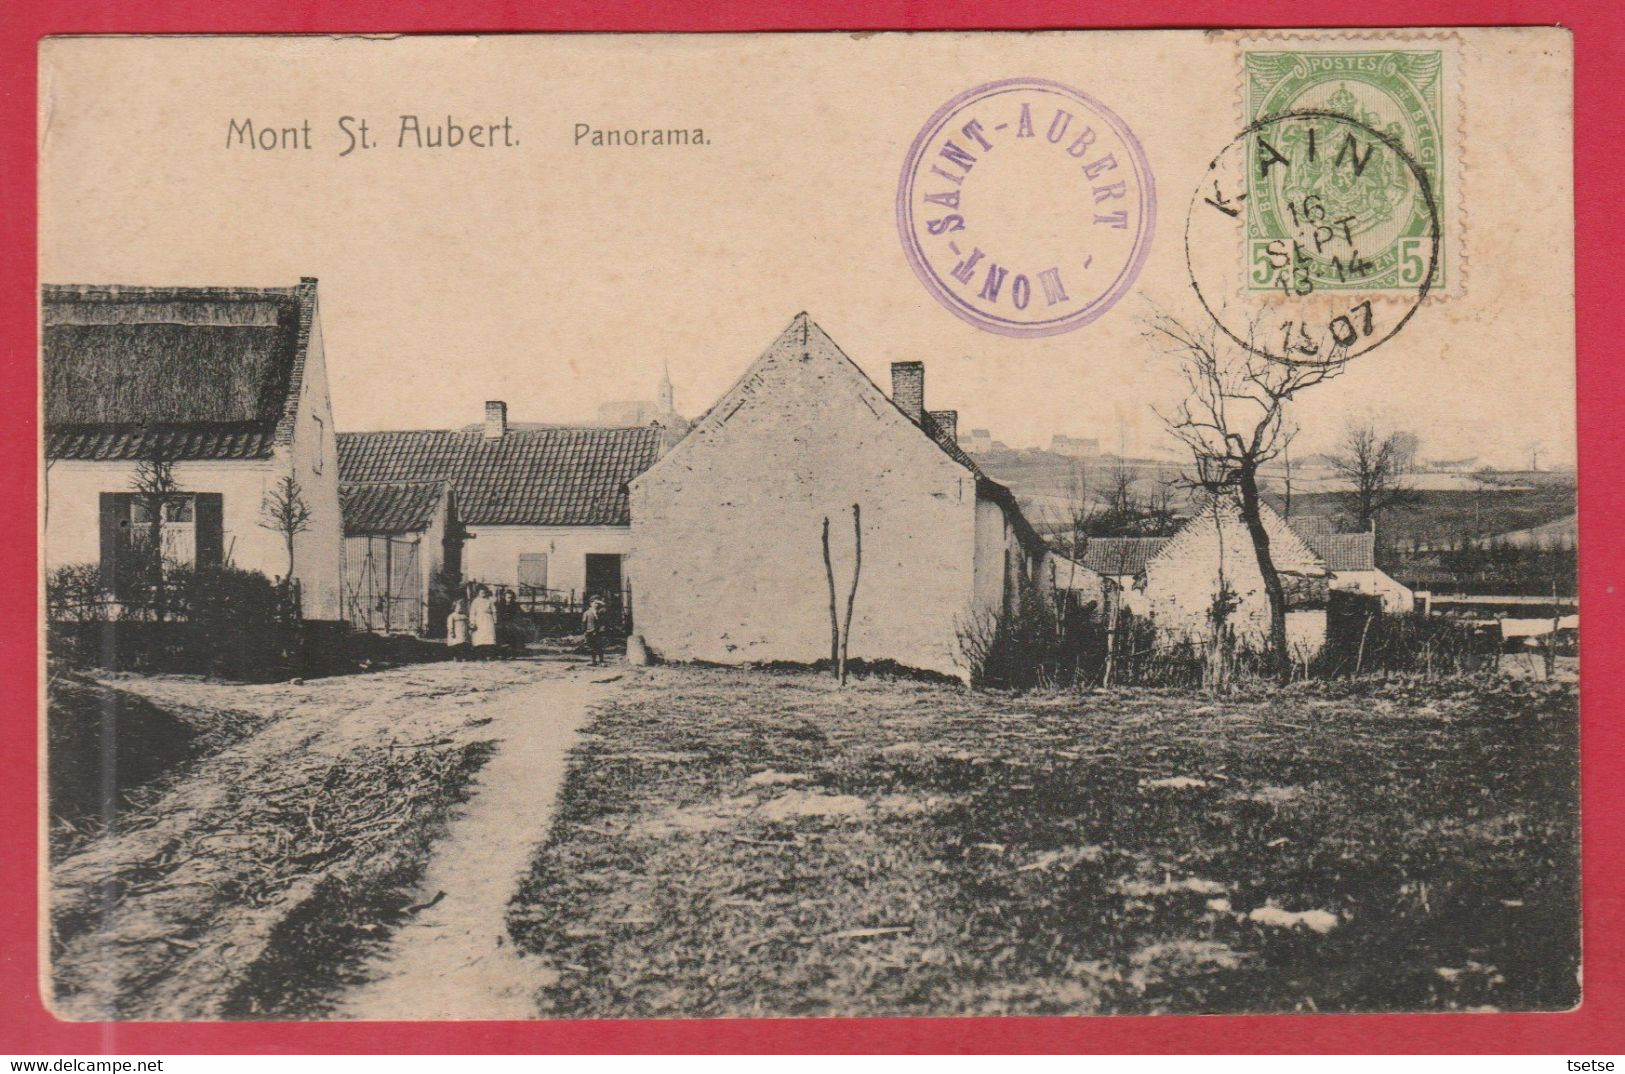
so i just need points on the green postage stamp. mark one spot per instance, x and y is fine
(1399, 95)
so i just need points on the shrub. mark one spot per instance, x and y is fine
(214, 620)
(1361, 638)
(74, 594)
(1038, 643)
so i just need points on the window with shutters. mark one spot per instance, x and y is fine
(533, 570)
(190, 533)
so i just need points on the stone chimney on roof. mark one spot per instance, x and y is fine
(908, 389)
(947, 423)
(496, 419)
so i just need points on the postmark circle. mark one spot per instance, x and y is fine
(1282, 233)
(1026, 207)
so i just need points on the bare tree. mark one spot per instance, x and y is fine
(834, 610)
(852, 594)
(840, 635)
(284, 510)
(1375, 463)
(1079, 509)
(1233, 422)
(154, 487)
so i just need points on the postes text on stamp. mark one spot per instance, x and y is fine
(1374, 202)
(1026, 207)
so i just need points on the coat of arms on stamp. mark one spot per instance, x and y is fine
(1396, 93)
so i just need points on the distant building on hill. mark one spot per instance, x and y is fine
(1074, 447)
(978, 442)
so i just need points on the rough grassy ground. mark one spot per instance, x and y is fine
(747, 843)
(258, 881)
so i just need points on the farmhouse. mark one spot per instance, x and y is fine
(542, 508)
(1174, 580)
(727, 528)
(226, 385)
(1352, 559)
(398, 537)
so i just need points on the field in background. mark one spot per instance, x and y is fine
(1447, 506)
(745, 843)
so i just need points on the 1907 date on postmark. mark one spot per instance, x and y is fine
(1331, 221)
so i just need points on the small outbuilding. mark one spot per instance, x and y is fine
(542, 508)
(1211, 558)
(400, 539)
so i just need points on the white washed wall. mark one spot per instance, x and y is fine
(725, 528)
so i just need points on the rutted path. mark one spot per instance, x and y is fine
(453, 959)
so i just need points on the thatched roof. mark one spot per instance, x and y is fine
(193, 372)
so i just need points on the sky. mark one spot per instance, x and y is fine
(557, 276)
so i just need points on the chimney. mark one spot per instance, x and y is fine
(908, 389)
(496, 419)
(947, 423)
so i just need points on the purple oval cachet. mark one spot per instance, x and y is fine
(1026, 207)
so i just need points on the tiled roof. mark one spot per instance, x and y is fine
(1307, 524)
(390, 506)
(1116, 556)
(193, 372)
(216, 440)
(528, 477)
(1342, 551)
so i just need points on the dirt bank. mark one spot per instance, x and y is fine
(260, 883)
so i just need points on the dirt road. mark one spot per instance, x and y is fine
(453, 959)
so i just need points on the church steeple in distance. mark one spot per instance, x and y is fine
(665, 400)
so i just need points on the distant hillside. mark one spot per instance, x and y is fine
(1440, 518)
(1448, 507)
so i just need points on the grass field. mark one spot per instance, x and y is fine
(745, 843)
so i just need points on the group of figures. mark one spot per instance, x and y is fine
(482, 626)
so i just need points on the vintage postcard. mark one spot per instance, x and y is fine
(625, 526)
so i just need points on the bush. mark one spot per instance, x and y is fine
(74, 594)
(1039, 643)
(214, 620)
(1361, 638)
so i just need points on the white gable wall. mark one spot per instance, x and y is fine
(1183, 578)
(318, 553)
(726, 547)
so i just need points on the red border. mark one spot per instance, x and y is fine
(1597, 1027)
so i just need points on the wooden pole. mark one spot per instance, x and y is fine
(852, 594)
(834, 621)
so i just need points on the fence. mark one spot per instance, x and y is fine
(383, 584)
(555, 612)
